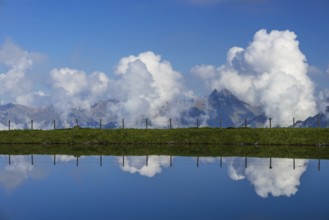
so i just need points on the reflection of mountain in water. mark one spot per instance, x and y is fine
(269, 176)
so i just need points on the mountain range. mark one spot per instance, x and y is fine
(219, 109)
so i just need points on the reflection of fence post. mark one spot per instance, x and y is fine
(147, 160)
(197, 161)
(54, 159)
(9, 160)
(245, 162)
(100, 160)
(319, 165)
(77, 161)
(270, 119)
(170, 160)
(32, 159)
(270, 162)
(123, 161)
(294, 164)
(221, 162)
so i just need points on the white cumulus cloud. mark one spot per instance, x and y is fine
(271, 72)
(17, 62)
(148, 84)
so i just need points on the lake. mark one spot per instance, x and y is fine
(162, 187)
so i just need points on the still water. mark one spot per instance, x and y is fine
(162, 187)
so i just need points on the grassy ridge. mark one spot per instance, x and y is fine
(212, 136)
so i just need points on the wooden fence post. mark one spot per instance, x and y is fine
(146, 124)
(245, 122)
(9, 125)
(123, 123)
(270, 119)
(197, 122)
(100, 123)
(31, 124)
(293, 122)
(54, 122)
(170, 125)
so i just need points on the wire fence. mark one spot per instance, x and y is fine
(146, 123)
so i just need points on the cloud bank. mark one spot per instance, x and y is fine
(14, 81)
(144, 85)
(271, 72)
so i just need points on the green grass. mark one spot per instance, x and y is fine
(275, 142)
(212, 136)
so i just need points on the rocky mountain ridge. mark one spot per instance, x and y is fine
(220, 109)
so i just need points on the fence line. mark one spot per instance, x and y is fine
(147, 123)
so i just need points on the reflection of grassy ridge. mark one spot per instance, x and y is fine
(178, 150)
(265, 136)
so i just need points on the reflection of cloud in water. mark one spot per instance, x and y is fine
(207, 160)
(137, 164)
(65, 158)
(17, 172)
(281, 180)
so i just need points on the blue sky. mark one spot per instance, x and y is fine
(94, 35)
(75, 38)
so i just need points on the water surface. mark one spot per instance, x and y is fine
(162, 187)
